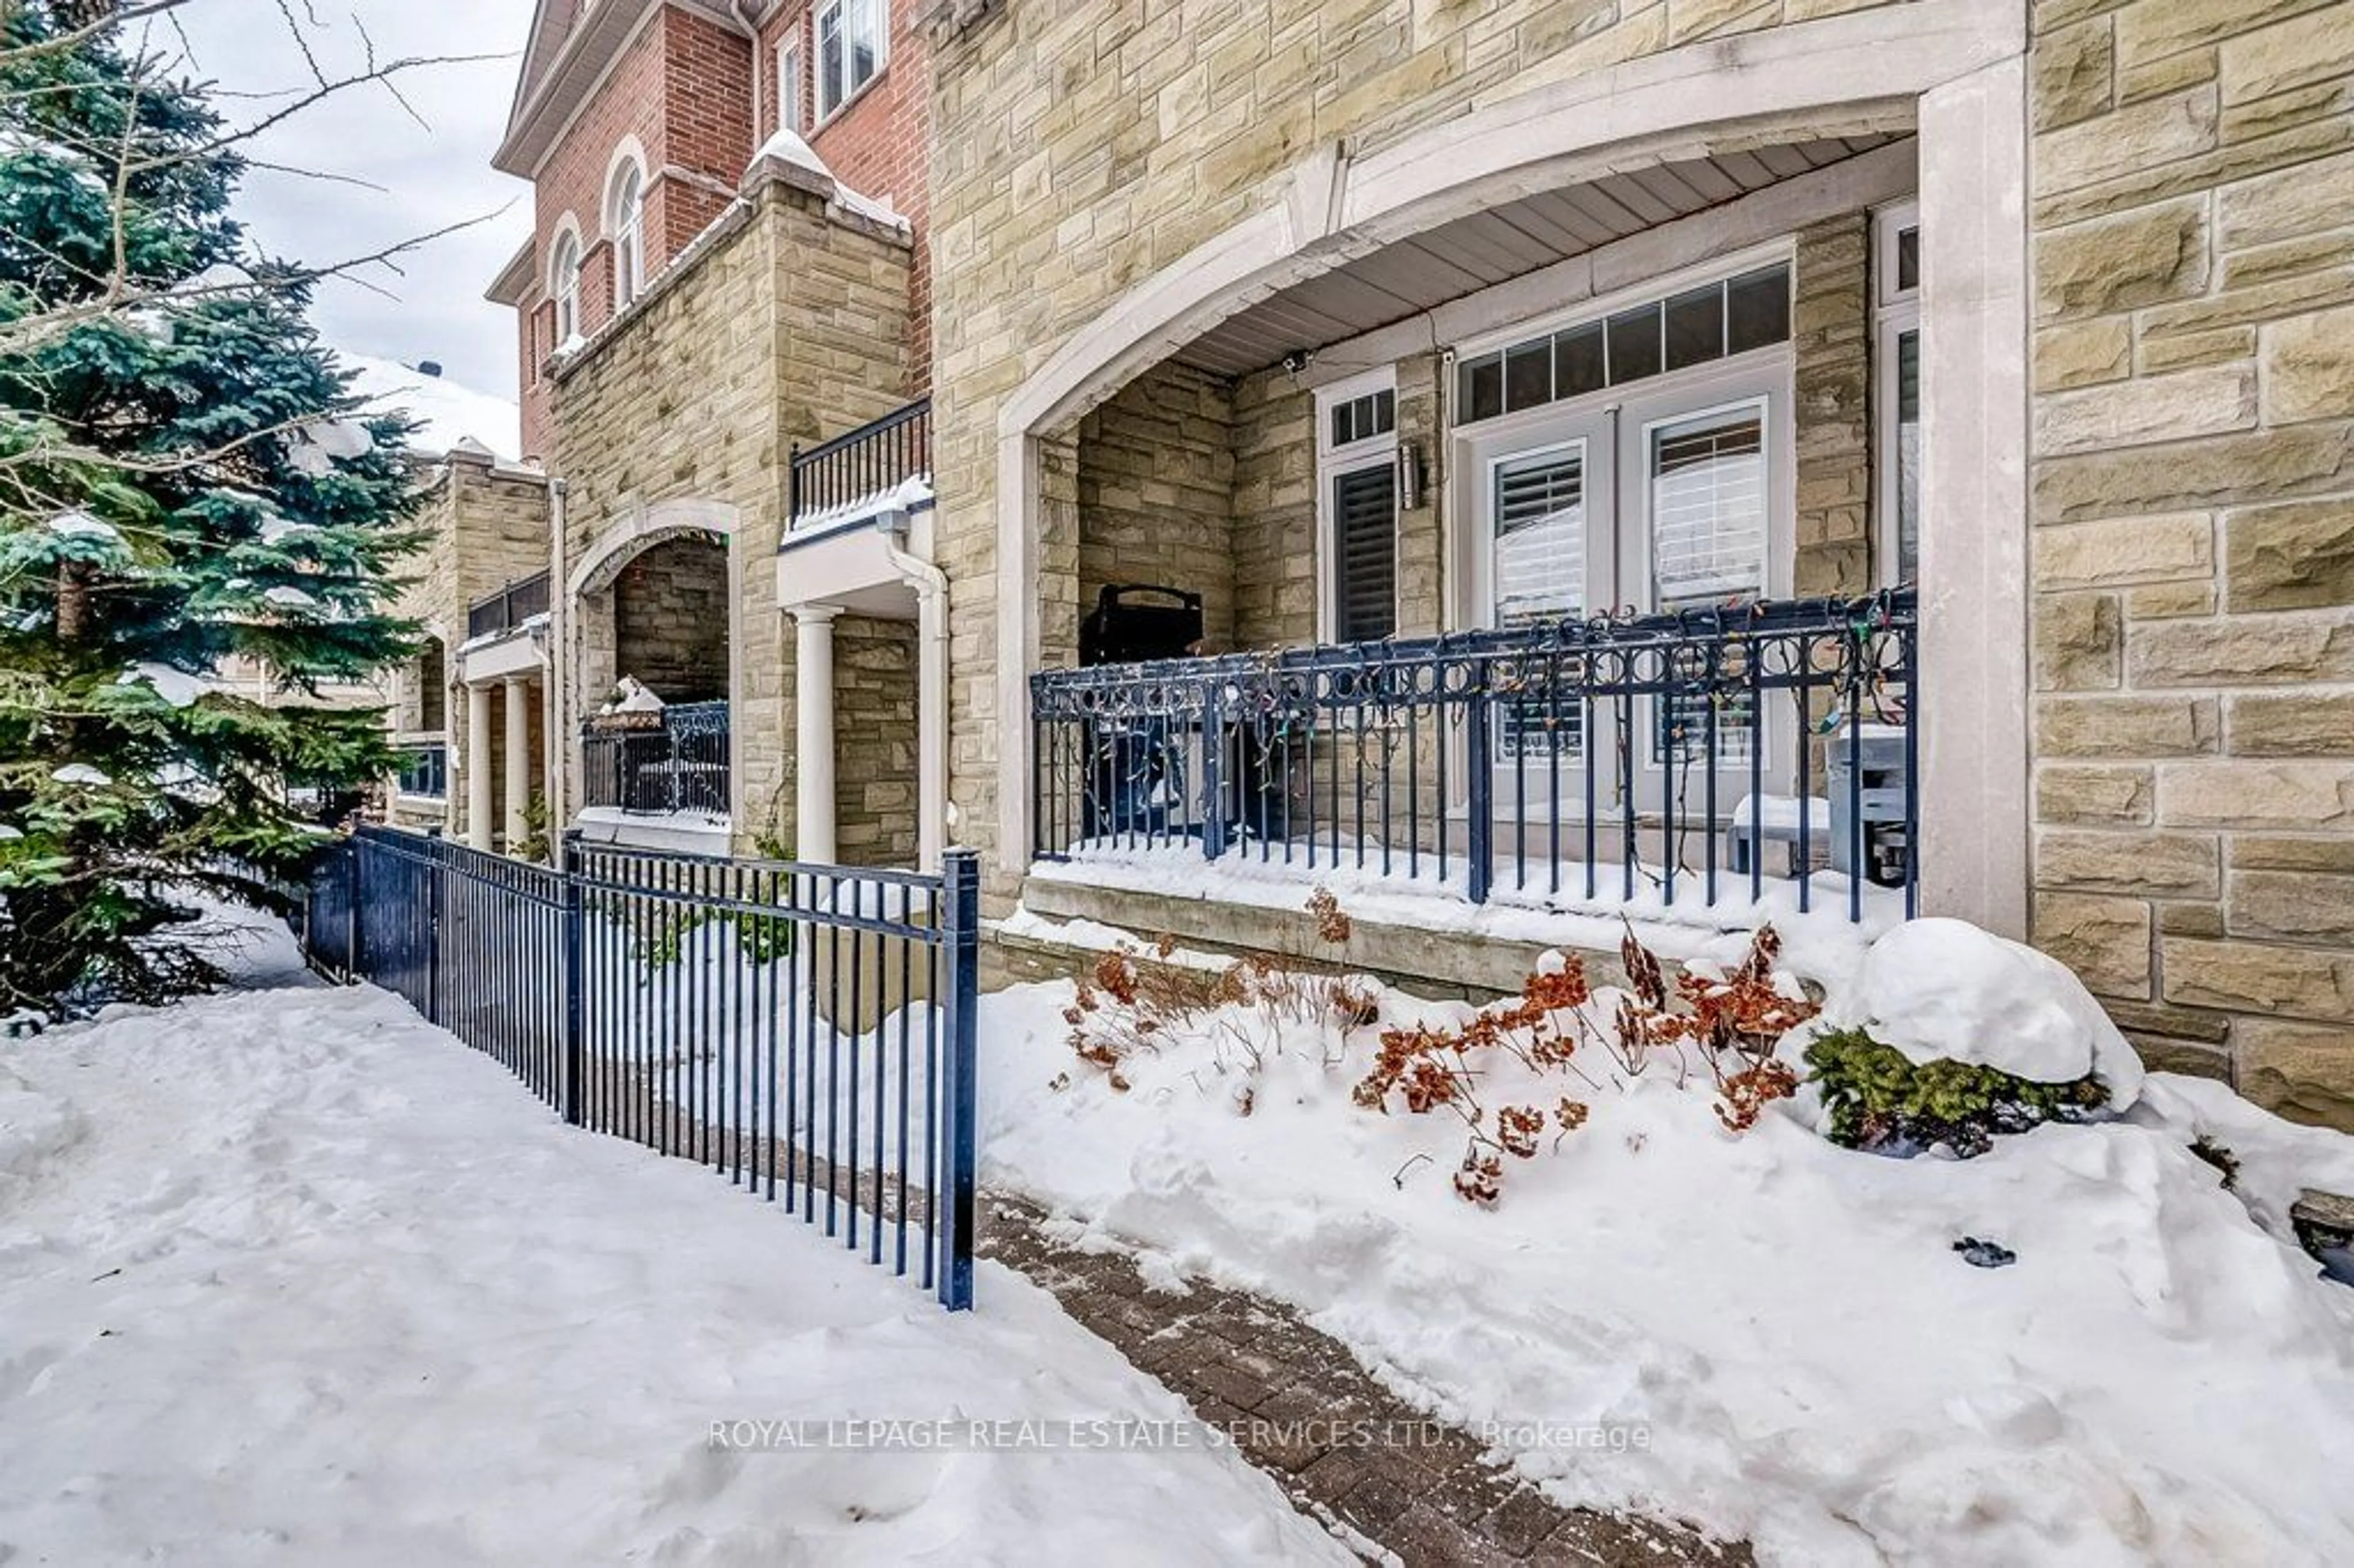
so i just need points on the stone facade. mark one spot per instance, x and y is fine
(1156, 468)
(487, 525)
(1077, 152)
(875, 143)
(687, 93)
(2191, 470)
(670, 609)
(2193, 557)
(787, 324)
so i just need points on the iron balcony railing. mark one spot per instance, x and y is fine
(509, 607)
(1650, 759)
(863, 465)
(677, 764)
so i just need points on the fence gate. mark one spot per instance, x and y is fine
(807, 1031)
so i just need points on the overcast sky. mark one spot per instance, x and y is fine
(431, 176)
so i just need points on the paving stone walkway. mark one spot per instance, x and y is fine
(1421, 1492)
(1390, 1482)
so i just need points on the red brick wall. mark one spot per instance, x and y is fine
(684, 87)
(535, 321)
(876, 143)
(708, 129)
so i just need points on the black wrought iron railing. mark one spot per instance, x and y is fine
(679, 763)
(807, 1031)
(425, 770)
(509, 607)
(1661, 757)
(861, 465)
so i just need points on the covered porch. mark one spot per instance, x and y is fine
(503, 669)
(1566, 554)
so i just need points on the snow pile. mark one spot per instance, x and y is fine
(1937, 989)
(2160, 1375)
(82, 773)
(304, 1280)
(631, 696)
(77, 523)
(1820, 943)
(316, 447)
(176, 687)
(449, 414)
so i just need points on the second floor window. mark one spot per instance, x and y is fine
(564, 283)
(853, 37)
(629, 229)
(789, 86)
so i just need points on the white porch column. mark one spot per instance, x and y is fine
(1975, 688)
(518, 758)
(813, 734)
(478, 765)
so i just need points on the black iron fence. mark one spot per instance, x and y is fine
(808, 1032)
(1654, 757)
(509, 607)
(861, 465)
(676, 760)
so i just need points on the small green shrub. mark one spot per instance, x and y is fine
(1880, 1100)
(763, 938)
(535, 845)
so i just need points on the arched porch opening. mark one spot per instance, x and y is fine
(654, 607)
(1467, 385)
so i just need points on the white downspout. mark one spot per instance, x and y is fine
(931, 586)
(558, 742)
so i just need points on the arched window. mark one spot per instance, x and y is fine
(626, 220)
(564, 286)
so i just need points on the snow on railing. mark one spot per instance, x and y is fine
(1625, 759)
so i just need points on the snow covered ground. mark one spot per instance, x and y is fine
(287, 1277)
(1785, 1325)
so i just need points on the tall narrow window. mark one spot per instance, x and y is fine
(1537, 565)
(1356, 467)
(1364, 552)
(1896, 391)
(628, 227)
(788, 81)
(1708, 506)
(1708, 510)
(563, 285)
(852, 41)
(1539, 561)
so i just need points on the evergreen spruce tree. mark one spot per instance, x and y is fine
(185, 482)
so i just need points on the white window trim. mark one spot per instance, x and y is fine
(1895, 312)
(792, 114)
(1615, 428)
(567, 299)
(1766, 375)
(1332, 462)
(1654, 290)
(823, 116)
(629, 159)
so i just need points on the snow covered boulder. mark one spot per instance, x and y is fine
(1945, 990)
(1950, 1036)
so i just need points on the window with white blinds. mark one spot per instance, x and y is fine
(1708, 509)
(1364, 552)
(1539, 561)
(1708, 548)
(1538, 568)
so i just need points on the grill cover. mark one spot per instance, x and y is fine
(1121, 630)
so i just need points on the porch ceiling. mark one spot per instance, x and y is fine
(1411, 276)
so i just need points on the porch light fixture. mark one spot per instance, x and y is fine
(1409, 477)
